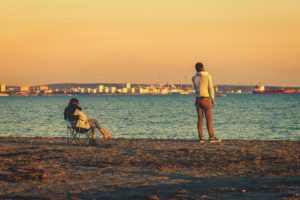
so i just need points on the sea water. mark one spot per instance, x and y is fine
(239, 116)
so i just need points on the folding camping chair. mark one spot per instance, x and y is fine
(77, 135)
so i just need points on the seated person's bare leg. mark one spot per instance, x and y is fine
(103, 131)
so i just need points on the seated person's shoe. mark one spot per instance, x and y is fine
(214, 140)
(105, 134)
(94, 143)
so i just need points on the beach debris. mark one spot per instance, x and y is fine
(20, 173)
(203, 196)
(165, 169)
(183, 191)
(154, 197)
(75, 198)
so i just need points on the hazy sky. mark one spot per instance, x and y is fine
(149, 41)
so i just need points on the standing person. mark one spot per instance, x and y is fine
(78, 119)
(205, 98)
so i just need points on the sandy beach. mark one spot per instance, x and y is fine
(45, 168)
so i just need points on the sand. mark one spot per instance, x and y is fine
(46, 168)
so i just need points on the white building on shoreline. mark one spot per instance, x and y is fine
(2, 88)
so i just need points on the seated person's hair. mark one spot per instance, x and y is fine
(74, 101)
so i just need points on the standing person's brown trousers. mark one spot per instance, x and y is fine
(203, 105)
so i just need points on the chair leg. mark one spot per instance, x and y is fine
(85, 139)
(74, 138)
(70, 136)
(77, 137)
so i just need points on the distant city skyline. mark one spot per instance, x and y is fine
(158, 41)
(136, 83)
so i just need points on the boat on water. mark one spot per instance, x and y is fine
(260, 89)
(220, 94)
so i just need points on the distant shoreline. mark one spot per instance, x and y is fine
(70, 85)
(96, 89)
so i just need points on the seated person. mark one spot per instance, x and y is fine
(78, 120)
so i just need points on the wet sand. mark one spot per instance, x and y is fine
(45, 168)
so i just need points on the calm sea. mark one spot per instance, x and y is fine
(244, 116)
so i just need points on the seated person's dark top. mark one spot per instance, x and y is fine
(69, 116)
(69, 113)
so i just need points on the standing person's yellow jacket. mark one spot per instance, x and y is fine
(83, 120)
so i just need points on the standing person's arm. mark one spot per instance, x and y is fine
(211, 90)
(195, 88)
(195, 85)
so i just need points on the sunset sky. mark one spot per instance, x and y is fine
(149, 41)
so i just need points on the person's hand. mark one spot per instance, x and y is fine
(213, 102)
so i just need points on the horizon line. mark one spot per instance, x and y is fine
(105, 83)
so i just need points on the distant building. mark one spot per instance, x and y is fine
(2, 88)
(164, 91)
(132, 90)
(216, 89)
(143, 90)
(140, 90)
(82, 90)
(24, 89)
(89, 90)
(44, 87)
(48, 91)
(124, 90)
(119, 90)
(128, 85)
(94, 91)
(100, 88)
(75, 90)
(106, 90)
(155, 91)
(113, 90)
